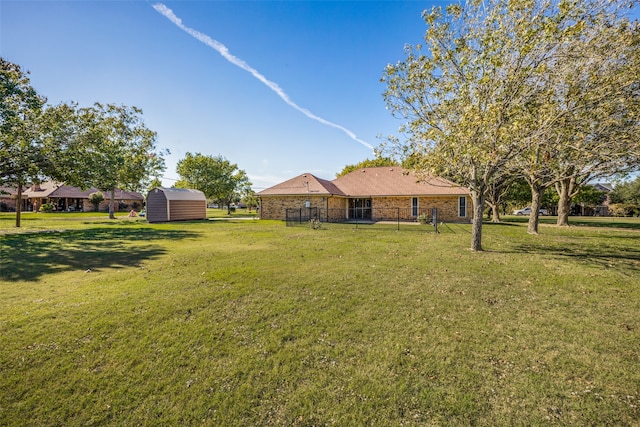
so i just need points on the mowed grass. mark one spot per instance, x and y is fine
(238, 323)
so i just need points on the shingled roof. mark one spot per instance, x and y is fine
(303, 184)
(54, 189)
(368, 182)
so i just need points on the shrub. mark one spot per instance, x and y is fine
(624, 209)
(95, 199)
(424, 219)
(46, 208)
(315, 224)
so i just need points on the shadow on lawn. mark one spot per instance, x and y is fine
(32, 255)
(603, 255)
(581, 221)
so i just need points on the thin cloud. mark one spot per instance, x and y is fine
(222, 50)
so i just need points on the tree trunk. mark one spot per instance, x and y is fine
(564, 204)
(19, 205)
(536, 196)
(495, 212)
(476, 229)
(112, 203)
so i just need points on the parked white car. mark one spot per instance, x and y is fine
(527, 211)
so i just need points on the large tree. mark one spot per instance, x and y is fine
(584, 123)
(479, 94)
(625, 198)
(216, 177)
(117, 151)
(496, 192)
(605, 121)
(22, 152)
(464, 90)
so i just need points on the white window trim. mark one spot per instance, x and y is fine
(462, 214)
(415, 210)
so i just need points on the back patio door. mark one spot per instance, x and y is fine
(360, 209)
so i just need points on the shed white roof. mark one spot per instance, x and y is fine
(180, 193)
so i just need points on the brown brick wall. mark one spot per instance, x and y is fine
(447, 207)
(274, 207)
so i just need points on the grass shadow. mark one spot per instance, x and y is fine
(29, 256)
(582, 221)
(603, 255)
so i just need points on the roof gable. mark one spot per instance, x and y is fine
(304, 184)
(42, 190)
(603, 186)
(180, 193)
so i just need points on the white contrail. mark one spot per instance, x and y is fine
(222, 50)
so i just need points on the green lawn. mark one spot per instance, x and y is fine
(242, 323)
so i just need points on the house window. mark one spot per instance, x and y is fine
(414, 206)
(462, 206)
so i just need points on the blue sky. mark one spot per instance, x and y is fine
(325, 57)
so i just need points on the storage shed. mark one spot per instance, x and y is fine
(175, 204)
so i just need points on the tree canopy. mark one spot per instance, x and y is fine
(105, 146)
(490, 91)
(378, 161)
(23, 154)
(215, 176)
(627, 192)
(117, 150)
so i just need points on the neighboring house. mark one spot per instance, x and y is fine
(601, 209)
(369, 194)
(68, 199)
(8, 197)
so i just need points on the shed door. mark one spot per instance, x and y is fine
(157, 207)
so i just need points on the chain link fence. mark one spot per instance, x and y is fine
(364, 217)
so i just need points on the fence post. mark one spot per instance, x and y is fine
(434, 218)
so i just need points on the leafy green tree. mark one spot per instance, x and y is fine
(117, 151)
(497, 191)
(589, 196)
(626, 192)
(216, 177)
(462, 91)
(378, 161)
(22, 152)
(250, 199)
(155, 183)
(583, 123)
(95, 199)
(518, 194)
(478, 95)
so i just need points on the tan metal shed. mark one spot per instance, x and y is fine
(175, 204)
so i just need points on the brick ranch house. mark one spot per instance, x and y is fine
(369, 194)
(8, 198)
(66, 198)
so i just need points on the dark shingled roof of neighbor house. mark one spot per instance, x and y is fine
(60, 190)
